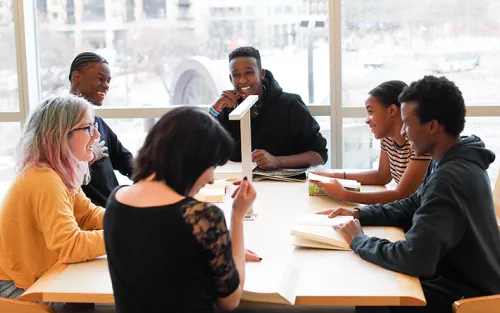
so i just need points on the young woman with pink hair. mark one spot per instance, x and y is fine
(45, 217)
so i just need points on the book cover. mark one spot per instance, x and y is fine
(282, 174)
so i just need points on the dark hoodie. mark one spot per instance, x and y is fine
(283, 127)
(452, 229)
(102, 174)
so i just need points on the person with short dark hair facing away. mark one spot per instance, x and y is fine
(452, 241)
(397, 160)
(284, 133)
(90, 77)
(168, 252)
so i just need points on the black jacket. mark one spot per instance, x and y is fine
(102, 175)
(452, 228)
(283, 127)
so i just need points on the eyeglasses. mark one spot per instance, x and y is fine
(91, 129)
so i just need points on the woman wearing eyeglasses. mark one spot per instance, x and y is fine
(45, 217)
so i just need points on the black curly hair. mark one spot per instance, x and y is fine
(246, 52)
(438, 99)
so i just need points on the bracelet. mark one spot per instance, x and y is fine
(345, 176)
(213, 111)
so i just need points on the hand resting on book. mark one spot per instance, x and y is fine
(333, 189)
(349, 230)
(340, 211)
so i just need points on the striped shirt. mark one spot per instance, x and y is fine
(400, 156)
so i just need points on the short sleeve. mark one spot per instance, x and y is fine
(210, 229)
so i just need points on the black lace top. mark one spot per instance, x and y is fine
(173, 258)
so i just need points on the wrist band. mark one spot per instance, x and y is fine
(213, 111)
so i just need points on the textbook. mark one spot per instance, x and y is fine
(215, 192)
(314, 190)
(270, 283)
(282, 174)
(316, 231)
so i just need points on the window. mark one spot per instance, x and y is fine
(154, 8)
(459, 39)
(486, 128)
(9, 98)
(93, 10)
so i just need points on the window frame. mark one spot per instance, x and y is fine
(25, 28)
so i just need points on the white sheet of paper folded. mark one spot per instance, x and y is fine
(270, 282)
(316, 231)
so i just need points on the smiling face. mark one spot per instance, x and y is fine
(206, 178)
(380, 117)
(93, 82)
(81, 141)
(418, 133)
(246, 76)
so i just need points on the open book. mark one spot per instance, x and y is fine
(270, 283)
(215, 192)
(314, 190)
(282, 174)
(316, 231)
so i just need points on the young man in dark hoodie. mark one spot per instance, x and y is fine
(284, 134)
(90, 76)
(452, 238)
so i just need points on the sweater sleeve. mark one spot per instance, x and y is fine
(120, 157)
(437, 227)
(56, 220)
(304, 129)
(398, 213)
(88, 215)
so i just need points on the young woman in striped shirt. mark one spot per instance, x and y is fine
(397, 158)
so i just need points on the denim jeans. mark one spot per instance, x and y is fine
(9, 290)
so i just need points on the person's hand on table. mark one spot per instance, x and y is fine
(340, 211)
(349, 230)
(265, 160)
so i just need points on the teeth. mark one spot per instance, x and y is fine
(101, 93)
(245, 88)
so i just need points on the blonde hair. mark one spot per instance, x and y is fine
(45, 139)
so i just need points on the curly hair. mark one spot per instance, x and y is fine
(246, 52)
(438, 99)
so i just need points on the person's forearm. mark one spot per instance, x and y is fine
(371, 177)
(237, 240)
(309, 158)
(374, 197)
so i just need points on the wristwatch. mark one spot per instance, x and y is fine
(355, 213)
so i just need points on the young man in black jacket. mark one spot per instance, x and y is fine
(90, 76)
(452, 238)
(284, 134)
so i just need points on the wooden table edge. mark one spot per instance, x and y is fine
(35, 292)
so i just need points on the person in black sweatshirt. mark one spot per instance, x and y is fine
(284, 133)
(90, 76)
(452, 238)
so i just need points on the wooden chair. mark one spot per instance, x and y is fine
(489, 304)
(17, 306)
